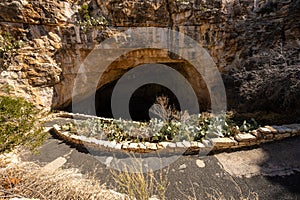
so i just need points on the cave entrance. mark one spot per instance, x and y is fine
(144, 97)
(140, 102)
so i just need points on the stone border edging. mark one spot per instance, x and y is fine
(256, 137)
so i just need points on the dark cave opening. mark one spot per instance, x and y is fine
(144, 97)
(140, 102)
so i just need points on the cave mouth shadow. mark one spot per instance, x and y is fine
(140, 102)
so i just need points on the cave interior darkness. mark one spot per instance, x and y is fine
(140, 102)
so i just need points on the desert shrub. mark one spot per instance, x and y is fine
(131, 179)
(19, 124)
(269, 84)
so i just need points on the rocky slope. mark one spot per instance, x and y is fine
(255, 44)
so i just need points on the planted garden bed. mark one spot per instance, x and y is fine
(186, 128)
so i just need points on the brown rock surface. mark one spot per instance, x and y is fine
(255, 45)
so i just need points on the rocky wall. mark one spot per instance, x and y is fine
(255, 44)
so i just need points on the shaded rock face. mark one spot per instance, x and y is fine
(255, 44)
(34, 70)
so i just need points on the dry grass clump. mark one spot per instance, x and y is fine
(140, 182)
(29, 180)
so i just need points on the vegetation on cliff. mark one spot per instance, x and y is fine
(19, 124)
(9, 46)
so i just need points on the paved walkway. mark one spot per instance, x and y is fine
(271, 171)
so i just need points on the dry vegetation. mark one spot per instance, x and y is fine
(144, 184)
(29, 180)
(269, 82)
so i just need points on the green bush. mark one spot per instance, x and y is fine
(19, 124)
(87, 21)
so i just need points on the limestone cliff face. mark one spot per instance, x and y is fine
(255, 44)
(33, 70)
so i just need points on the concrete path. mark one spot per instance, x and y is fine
(271, 171)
